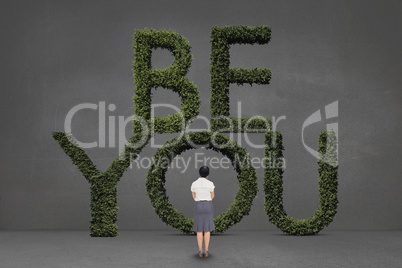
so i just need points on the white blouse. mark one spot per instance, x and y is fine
(203, 188)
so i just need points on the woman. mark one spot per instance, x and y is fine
(203, 193)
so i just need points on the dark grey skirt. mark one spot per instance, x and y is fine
(204, 216)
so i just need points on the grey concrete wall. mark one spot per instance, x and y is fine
(58, 54)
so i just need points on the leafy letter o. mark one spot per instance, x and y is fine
(247, 178)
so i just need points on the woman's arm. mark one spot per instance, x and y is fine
(212, 195)
(194, 194)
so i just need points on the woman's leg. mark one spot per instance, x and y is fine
(199, 240)
(207, 236)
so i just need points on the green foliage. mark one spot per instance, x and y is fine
(103, 206)
(327, 186)
(103, 184)
(247, 179)
(222, 75)
(173, 78)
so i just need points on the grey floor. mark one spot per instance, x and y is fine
(173, 249)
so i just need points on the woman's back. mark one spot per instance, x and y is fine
(203, 188)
